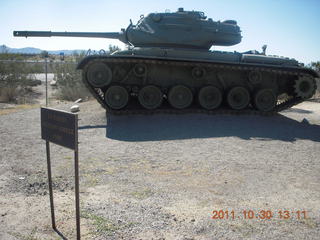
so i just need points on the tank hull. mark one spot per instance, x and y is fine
(214, 82)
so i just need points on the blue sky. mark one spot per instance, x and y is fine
(289, 27)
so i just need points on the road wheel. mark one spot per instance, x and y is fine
(210, 97)
(265, 100)
(238, 98)
(180, 97)
(150, 97)
(116, 97)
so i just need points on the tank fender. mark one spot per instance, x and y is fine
(312, 72)
(84, 61)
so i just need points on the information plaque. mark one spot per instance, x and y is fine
(59, 127)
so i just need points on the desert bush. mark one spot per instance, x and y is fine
(69, 83)
(15, 78)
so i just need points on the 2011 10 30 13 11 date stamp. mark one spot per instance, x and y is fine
(259, 214)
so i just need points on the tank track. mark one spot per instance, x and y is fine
(133, 109)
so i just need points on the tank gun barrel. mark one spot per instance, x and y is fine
(114, 35)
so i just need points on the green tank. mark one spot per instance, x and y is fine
(168, 67)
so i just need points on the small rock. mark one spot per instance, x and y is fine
(75, 108)
(193, 220)
(78, 101)
(53, 83)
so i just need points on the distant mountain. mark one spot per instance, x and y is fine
(31, 50)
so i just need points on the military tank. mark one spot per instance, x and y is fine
(168, 67)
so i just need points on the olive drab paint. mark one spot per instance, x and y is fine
(168, 59)
(182, 29)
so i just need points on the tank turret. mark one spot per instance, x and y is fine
(182, 29)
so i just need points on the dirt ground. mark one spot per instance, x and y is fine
(163, 176)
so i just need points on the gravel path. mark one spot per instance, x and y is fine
(162, 176)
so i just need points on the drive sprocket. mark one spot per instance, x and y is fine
(305, 87)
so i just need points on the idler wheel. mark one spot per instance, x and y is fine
(150, 97)
(180, 97)
(116, 97)
(238, 98)
(99, 74)
(304, 87)
(265, 100)
(210, 97)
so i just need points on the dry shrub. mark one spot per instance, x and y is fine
(8, 94)
(15, 78)
(69, 84)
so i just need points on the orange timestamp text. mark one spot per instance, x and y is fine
(259, 214)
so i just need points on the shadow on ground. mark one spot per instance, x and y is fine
(172, 127)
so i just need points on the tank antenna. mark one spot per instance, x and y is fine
(264, 48)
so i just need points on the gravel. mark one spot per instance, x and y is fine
(162, 176)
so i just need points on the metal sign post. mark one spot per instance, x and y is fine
(46, 82)
(46, 55)
(76, 179)
(61, 128)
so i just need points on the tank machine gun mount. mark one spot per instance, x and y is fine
(170, 68)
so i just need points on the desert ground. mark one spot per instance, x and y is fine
(163, 176)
